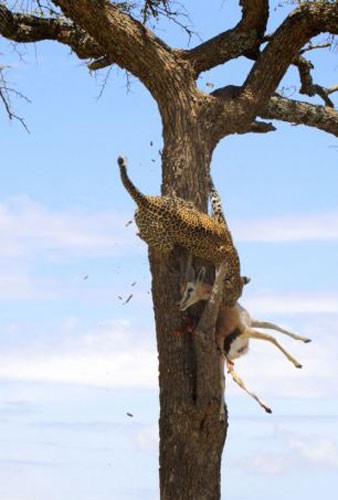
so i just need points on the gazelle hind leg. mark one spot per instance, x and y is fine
(240, 382)
(272, 326)
(253, 334)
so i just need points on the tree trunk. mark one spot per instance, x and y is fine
(192, 437)
(191, 434)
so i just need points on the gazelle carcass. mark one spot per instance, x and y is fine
(234, 328)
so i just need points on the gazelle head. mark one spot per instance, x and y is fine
(195, 290)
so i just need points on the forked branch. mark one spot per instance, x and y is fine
(308, 87)
(244, 39)
(296, 112)
(305, 22)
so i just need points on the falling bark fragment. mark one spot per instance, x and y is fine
(128, 299)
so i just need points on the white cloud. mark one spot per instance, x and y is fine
(320, 451)
(16, 283)
(118, 369)
(272, 303)
(28, 229)
(295, 227)
(299, 452)
(266, 463)
(111, 356)
(147, 439)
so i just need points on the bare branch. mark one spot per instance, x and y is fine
(307, 21)
(104, 83)
(157, 8)
(152, 8)
(315, 46)
(25, 28)
(244, 39)
(332, 89)
(308, 87)
(5, 92)
(301, 113)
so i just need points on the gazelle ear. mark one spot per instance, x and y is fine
(201, 274)
(190, 274)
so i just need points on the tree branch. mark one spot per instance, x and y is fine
(100, 63)
(237, 110)
(296, 112)
(301, 113)
(305, 22)
(315, 46)
(5, 92)
(231, 92)
(25, 28)
(308, 87)
(244, 39)
(125, 41)
(259, 127)
(332, 89)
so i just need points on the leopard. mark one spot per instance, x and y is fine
(216, 203)
(217, 213)
(166, 221)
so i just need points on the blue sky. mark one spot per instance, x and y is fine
(75, 358)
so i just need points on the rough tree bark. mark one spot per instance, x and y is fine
(191, 436)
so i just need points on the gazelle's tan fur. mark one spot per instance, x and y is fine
(234, 328)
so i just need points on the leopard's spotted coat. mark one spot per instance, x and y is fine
(165, 221)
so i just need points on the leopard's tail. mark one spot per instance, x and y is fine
(216, 204)
(138, 197)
